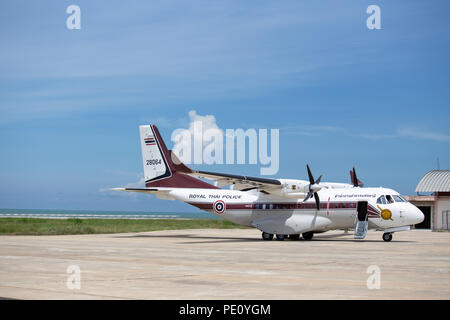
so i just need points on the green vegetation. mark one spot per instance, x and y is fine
(36, 226)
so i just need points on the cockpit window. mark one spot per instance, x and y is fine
(398, 198)
(381, 200)
(389, 199)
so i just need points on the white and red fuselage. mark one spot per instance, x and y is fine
(274, 206)
(276, 215)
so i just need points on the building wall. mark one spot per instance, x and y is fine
(442, 204)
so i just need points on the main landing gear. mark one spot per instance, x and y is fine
(280, 237)
(307, 236)
(387, 236)
(267, 236)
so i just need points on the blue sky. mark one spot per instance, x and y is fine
(341, 94)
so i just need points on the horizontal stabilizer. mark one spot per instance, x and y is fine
(161, 193)
(144, 190)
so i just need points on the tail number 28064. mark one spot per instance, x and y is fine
(153, 162)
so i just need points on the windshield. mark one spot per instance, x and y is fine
(389, 199)
(386, 199)
(399, 199)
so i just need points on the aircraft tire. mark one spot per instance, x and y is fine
(267, 236)
(281, 237)
(307, 235)
(387, 236)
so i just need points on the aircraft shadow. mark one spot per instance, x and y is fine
(215, 239)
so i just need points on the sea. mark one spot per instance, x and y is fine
(94, 214)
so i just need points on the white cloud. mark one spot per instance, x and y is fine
(312, 130)
(319, 130)
(414, 133)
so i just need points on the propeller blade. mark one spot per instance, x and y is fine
(355, 178)
(310, 176)
(309, 195)
(318, 180)
(313, 188)
(316, 196)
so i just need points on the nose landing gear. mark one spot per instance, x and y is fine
(387, 236)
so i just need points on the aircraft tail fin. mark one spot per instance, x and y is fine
(162, 168)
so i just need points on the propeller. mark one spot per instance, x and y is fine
(355, 181)
(313, 188)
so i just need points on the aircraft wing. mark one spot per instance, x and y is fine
(239, 182)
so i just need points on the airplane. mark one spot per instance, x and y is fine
(286, 208)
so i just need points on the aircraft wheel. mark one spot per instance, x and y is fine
(387, 236)
(294, 236)
(267, 236)
(307, 235)
(281, 237)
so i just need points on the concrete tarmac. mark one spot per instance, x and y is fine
(226, 264)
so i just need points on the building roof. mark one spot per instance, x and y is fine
(435, 181)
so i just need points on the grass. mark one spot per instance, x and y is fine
(37, 226)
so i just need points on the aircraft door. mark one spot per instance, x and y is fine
(362, 210)
(362, 225)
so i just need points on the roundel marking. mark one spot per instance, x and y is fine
(219, 206)
(386, 214)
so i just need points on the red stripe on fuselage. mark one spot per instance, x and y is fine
(372, 213)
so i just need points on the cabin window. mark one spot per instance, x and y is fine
(381, 200)
(389, 199)
(264, 206)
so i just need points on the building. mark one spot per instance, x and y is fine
(436, 205)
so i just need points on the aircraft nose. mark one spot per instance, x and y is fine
(418, 215)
